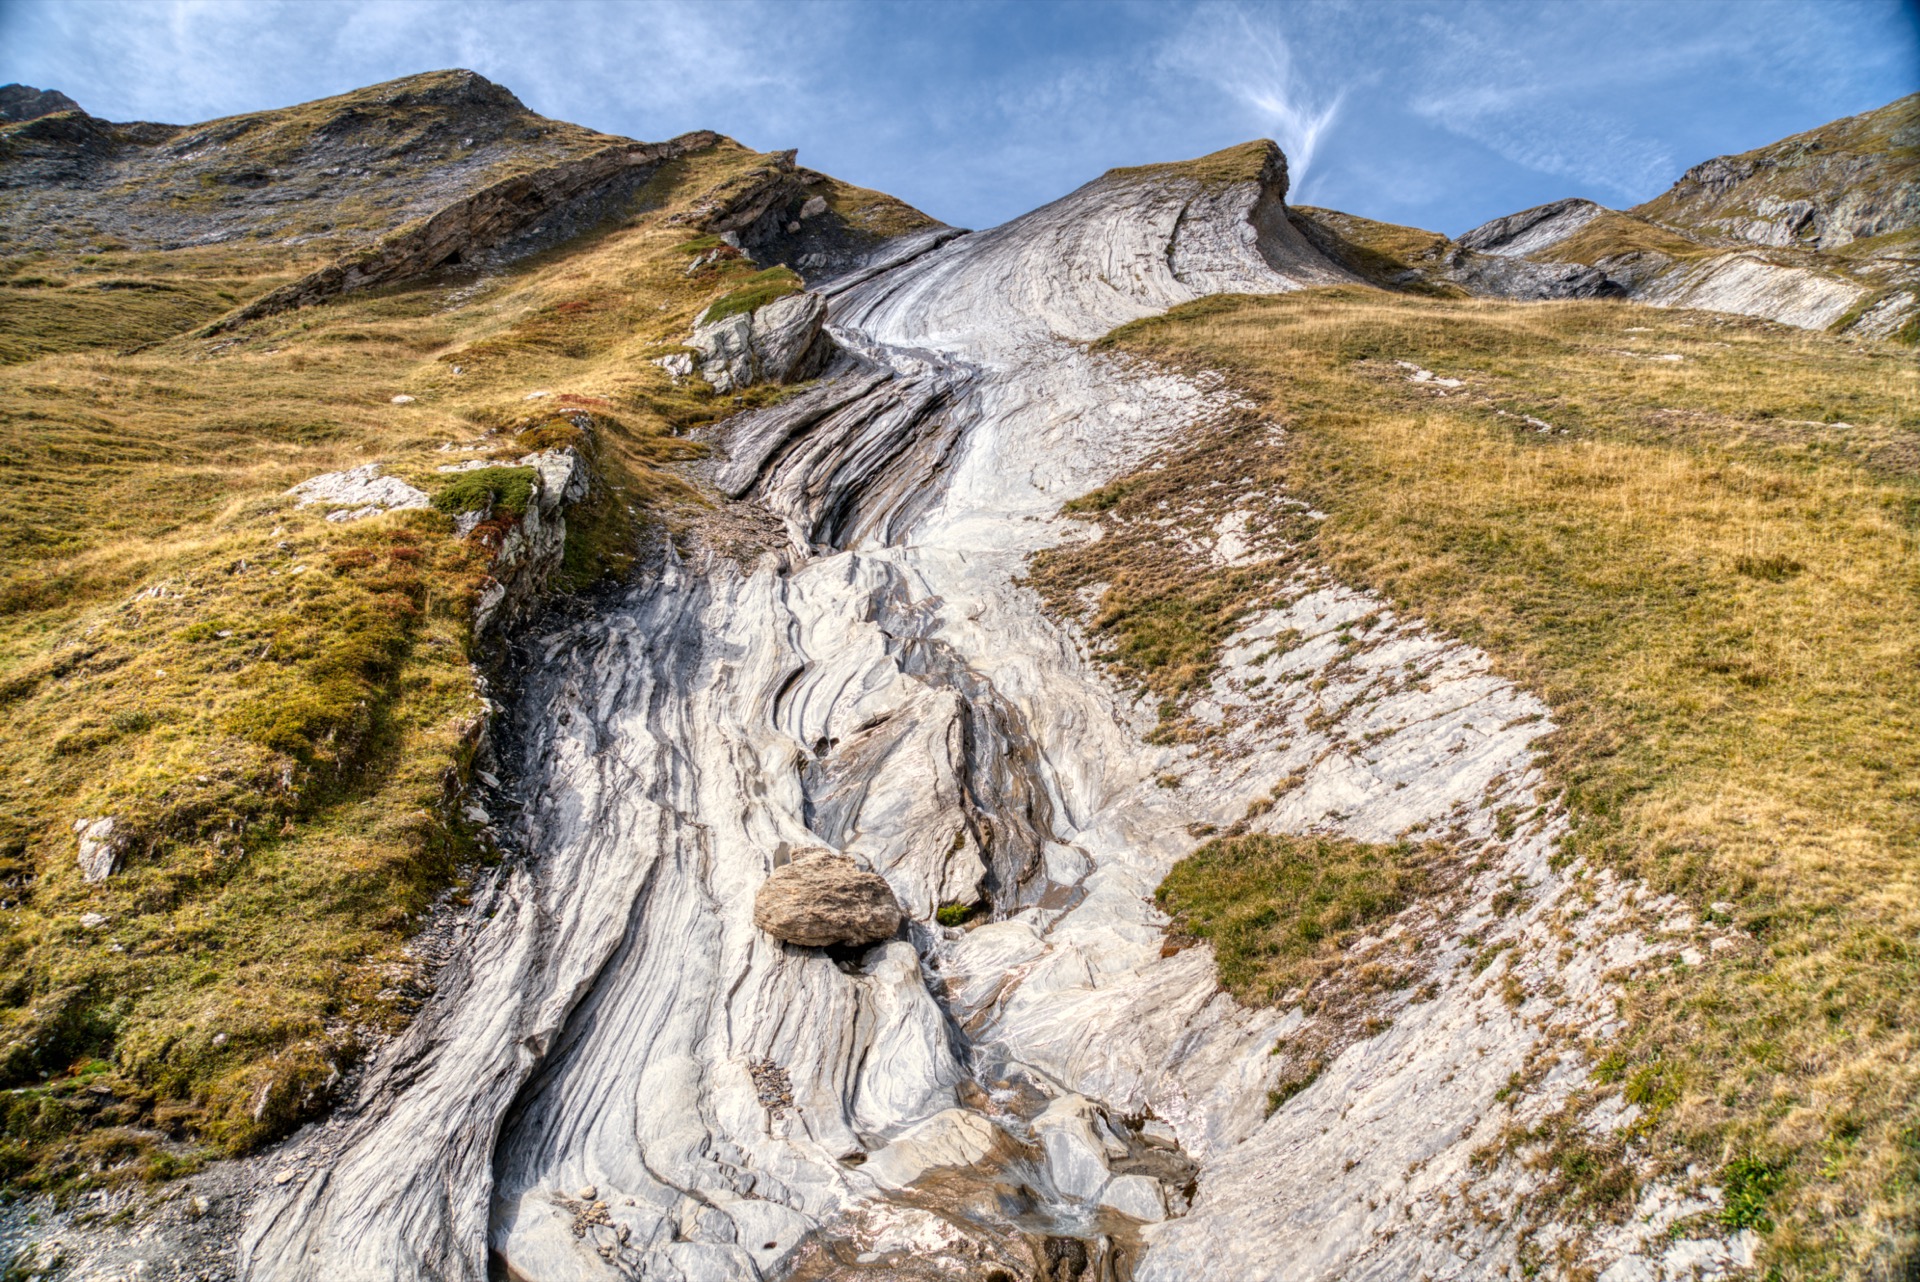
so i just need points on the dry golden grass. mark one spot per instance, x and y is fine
(276, 705)
(1613, 234)
(1237, 164)
(1711, 569)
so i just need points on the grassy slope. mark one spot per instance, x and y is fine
(1717, 587)
(278, 706)
(1241, 163)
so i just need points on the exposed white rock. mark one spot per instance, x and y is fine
(1749, 285)
(783, 341)
(1532, 230)
(1076, 1157)
(103, 846)
(955, 1137)
(887, 688)
(1139, 1196)
(358, 493)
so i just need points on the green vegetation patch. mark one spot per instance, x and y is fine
(753, 293)
(503, 490)
(1279, 910)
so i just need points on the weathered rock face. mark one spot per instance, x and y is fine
(1510, 276)
(784, 341)
(821, 900)
(24, 102)
(103, 846)
(1827, 187)
(496, 214)
(1532, 230)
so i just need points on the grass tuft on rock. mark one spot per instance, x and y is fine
(1280, 910)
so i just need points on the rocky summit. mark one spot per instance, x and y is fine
(1313, 749)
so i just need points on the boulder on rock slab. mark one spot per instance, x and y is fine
(822, 899)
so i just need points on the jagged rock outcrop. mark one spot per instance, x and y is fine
(821, 899)
(24, 102)
(532, 547)
(784, 341)
(1532, 230)
(1845, 181)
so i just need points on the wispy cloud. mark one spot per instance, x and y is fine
(1524, 125)
(1246, 55)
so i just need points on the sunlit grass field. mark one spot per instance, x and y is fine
(1698, 537)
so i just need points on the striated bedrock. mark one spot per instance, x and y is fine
(1532, 229)
(823, 900)
(886, 687)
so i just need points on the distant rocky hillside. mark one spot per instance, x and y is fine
(1818, 231)
(1852, 180)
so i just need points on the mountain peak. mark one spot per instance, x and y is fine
(24, 102)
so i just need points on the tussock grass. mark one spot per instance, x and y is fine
(1710, 568)
(280, 710)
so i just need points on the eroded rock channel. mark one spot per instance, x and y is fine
(624, 1077)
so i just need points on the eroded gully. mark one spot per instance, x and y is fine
(624, 1078)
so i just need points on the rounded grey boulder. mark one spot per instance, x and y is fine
(821, 899)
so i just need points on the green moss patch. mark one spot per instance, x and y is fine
(750, 295)
(1279, 910)
(503, 490)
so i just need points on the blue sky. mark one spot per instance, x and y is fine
(1437, 114)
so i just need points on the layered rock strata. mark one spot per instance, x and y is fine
(624, 1077)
